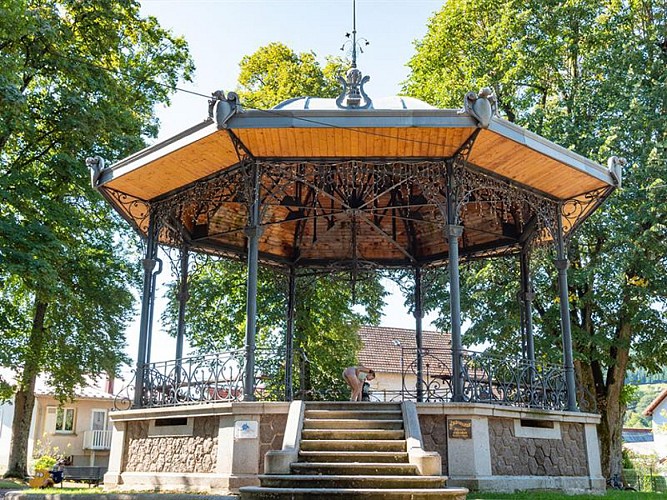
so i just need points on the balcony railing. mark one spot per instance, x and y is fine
(486, 378)
(97, 440)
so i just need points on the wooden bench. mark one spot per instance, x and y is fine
(90, 475)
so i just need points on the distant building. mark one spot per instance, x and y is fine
(658, 410)
(78, 429)
(391, 352)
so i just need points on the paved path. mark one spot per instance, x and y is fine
(19, 495)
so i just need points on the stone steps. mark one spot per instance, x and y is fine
(352, 451)
(351, 468)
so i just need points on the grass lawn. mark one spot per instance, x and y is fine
(12, 484)
(549, 495)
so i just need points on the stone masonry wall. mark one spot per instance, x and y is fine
(271, 433)
(434, 436)
(196, 453)
(520, 456)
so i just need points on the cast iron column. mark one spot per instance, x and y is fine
(527, 296)
(183, 296)
(419, 315)
(252, 232)
(289, 334)
(144, 325)
(562, 264)
(454, 232)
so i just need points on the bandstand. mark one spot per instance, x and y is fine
(354, 185)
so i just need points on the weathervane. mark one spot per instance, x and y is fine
(353, 83)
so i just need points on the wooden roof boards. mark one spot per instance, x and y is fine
(351, 186)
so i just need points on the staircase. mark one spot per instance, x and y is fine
(352, 451)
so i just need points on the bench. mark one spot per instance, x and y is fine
(90, 475)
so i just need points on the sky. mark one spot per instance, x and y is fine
(220, 32)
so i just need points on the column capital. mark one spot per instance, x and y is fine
(418, 314)
(562, 264)
(148, 264)
(454, 230)
(251, 232)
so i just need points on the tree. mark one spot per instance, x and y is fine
(77, 79)
(275, 73)
(590, 76)
(326, 321)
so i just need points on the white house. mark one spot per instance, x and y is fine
(78, 429)
(391, 352)
(658, 410)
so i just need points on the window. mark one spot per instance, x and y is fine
(65, 420)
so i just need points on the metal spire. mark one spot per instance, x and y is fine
(353, 85)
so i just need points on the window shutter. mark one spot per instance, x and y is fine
(50, 419)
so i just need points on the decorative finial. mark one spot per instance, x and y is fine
(96, 165)
(481, 106)
(225, 107)
(615, 165)
(353, 83)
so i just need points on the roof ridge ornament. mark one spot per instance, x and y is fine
(353, 83)
(615, 165)
(481, 106)
(225, 107)
(96, 164)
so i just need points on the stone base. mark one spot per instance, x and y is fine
(510, 484)
(171, 481)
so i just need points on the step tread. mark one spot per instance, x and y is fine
(352, 434)
(346, 477)
(367, 444)
(354, 468)
(358, 492)
(355, 420)
(350, 456)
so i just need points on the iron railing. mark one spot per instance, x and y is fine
(486, 378)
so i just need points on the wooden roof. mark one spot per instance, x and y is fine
(307, 223)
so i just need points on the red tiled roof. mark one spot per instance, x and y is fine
(381, 346)
(655, 403)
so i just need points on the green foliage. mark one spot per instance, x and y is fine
(275, 73)
(591, 76)
(77, 79)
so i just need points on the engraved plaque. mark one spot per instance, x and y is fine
(460, 428)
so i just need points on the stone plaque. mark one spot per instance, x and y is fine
(246, 429)
(460, 428)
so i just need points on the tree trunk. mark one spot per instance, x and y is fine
(613, 409)
(24, 399)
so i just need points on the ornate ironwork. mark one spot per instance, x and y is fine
(138, 210)
(504, 201)
(180, 214)
(206, 378)
(572, 210)
(487, 378)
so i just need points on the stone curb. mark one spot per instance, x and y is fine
(18, 495)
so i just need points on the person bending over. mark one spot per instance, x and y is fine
(355, 376)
